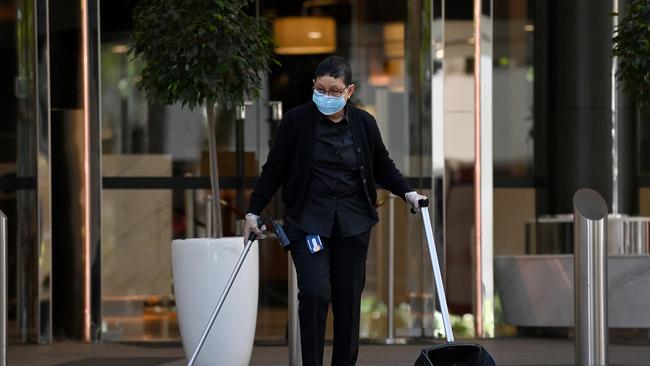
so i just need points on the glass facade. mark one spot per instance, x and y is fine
(169, 144)
(414, 67)
(25, 170)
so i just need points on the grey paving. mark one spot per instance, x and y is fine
(507, 352)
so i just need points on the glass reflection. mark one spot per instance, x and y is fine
(512, 89)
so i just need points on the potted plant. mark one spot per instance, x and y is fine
(632, 47)
(631, 43)
(207, 53)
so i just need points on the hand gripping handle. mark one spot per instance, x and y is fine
(252, 235)
(421, 203)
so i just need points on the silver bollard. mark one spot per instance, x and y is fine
(590, 278)
(3, 289)
(295, 352)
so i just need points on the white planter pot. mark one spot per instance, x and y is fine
(201, 267)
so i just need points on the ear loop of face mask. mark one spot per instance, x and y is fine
(347, 89)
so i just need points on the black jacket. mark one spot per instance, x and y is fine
(290, 158)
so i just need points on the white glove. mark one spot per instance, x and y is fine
(413, 198)
(250, 225)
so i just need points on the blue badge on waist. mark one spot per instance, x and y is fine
(314, 243)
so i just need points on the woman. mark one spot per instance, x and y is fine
(327, 156)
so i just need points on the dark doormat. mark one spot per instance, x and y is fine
(113, 361)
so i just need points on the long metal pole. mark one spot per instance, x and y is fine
(295, 352)
(478, 280)
(614, 108)
(276, 116)
(87, 209)
(240, 119)
(391, 269)
(189, 211)
(209, 210)
(275, 119)
(442, 299)
(3, 289)
(590, 278)
(215, 229)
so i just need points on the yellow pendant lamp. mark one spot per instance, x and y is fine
(304, 35)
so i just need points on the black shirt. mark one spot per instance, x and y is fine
(289, 163)
(335, 190)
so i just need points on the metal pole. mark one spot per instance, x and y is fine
(189, 211)
(208, 217)
(615, 129)
(391, 269)
(478, 197)
(276, 110)
(3, 289)
(239, 153)
(295, 353)
(442, 299)
(275, 119)
(590, 278)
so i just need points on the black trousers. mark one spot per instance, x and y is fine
(335, 274)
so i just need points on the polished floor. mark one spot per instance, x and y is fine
(507, 352)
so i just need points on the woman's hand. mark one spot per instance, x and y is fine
(413, 199)
(251, 226)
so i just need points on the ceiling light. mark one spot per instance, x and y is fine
(304, 35)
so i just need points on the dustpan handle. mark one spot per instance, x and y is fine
(436, 269)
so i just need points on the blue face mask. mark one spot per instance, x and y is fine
(329, 105)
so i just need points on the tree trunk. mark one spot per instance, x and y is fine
(211, 111)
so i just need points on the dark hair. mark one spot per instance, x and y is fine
(335, 67)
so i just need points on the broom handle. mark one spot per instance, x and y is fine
(436, 270)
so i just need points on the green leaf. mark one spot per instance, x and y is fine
(197, 50)
(632, 47)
